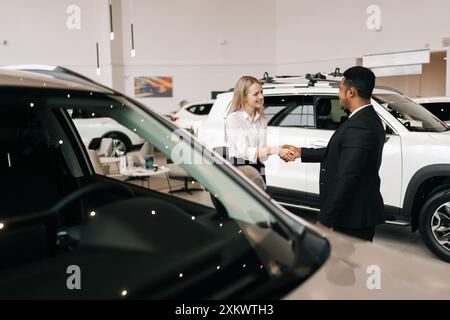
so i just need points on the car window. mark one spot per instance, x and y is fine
(145, 154)
(329, 113)
(412, 115)
(83, 114)
(204, 109)
(289, 111)
(439, 109)
(172, 244)
(192, 109)
(201, 109)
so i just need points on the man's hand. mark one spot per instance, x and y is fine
(289, 152)
(286, 154)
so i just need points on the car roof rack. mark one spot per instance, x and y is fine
(311, 79)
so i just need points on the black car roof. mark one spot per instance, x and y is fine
(48, 77)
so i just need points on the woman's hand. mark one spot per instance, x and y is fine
(289, 153)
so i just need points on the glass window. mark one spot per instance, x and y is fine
(297, 117)
(192, 109)
(329, 113)
(203, 109)
(413, 116)
(439, 109)
(206, 109)
(83, 114)
(202, 244)
(289, 111)
(271, 111)
(181, 169)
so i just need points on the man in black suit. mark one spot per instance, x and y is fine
(350, 198)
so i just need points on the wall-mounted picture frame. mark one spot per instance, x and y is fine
(153, 87)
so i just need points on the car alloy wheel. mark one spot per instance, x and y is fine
(434, 224)
(440, 225)
(119, 148)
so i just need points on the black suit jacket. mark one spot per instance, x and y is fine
(349, 182)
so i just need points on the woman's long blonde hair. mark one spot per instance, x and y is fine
(240, 91)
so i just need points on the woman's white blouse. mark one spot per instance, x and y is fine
(245, 137)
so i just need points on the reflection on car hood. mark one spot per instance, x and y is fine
(351, 273)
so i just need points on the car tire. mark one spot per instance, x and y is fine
(121, 143)
(434, 224)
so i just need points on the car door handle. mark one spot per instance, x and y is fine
(319, 143)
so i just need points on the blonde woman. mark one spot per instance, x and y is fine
(246, 127)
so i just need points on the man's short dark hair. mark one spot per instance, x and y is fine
(362, 79)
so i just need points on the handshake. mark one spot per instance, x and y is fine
(289, 153)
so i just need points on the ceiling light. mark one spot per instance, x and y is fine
(111, 34)
(98, 59)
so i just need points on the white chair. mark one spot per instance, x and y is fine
(105, 148)
(144, 152)
(108, 170)
(178, 173)
(253, 175)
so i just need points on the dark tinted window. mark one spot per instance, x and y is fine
(84, 114)
(192, 109)
(329, 113)
(439, 109)
(201, 109)
(204, 109)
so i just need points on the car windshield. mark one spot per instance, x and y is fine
(413, 116)
(225, 238)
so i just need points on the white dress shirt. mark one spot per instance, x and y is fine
(359, 109)
(245, 136)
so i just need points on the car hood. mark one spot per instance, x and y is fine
(443, 137)
(354, 267)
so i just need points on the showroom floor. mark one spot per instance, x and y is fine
(400, 238)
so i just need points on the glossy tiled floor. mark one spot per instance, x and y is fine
(401, 239)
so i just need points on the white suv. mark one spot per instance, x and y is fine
(91, 125)
(191, 115)
(305, 111)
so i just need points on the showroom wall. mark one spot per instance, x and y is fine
(42, 32)
(205, 45)
(334, 33)
(430, 83)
